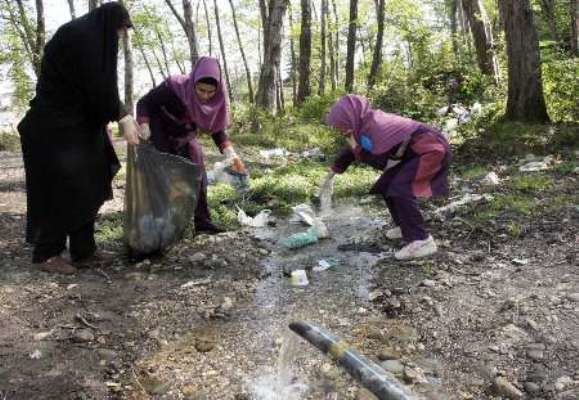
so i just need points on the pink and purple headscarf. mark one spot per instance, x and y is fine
(375, 131)
(212, 116)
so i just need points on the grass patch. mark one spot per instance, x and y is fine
(531, 183)
(109, 230)
(472, 171)
(506, 204)
(9, 141)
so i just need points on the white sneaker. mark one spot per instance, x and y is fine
(417, 249)
(394, 233)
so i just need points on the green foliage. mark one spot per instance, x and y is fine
(109, 230)
(532, 183)
(561, 86)
(472, 171)
(9, 141)
(316, 107)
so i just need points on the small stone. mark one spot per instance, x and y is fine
(428, 283)
(227, 304)
(375, 295)
(197, 258)
(504, 388)
(106, 354)
(393, 366)
(83, 335)
(573, 297)
(135, 276)
(388, 353)
(414, 375)
(532, 387)
(532, 324)
(563, 383)
(204, 344)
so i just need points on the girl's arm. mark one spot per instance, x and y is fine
(152, 102)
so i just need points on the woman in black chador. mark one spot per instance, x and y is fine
(68, 157)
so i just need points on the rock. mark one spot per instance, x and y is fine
(563, 383)
(135, 276)
(573, 297)
(532, 388)
(375, 295)
(504, 388)
(83, 335)
(428, 283)
(227, 304)
(393, 366)
(536, 351)
(205, 343)
(388, 353)
(364, 394)
(414, 375)
(106, 354)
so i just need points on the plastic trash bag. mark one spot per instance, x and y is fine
(160, 198)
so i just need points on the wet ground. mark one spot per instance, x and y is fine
(488, 317)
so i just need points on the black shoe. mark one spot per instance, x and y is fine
(208, 229)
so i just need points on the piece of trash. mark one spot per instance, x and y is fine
(42, 335)
(442, 111)
(491, 179)
(223, 173)
(259, 221)
(299, 278)
(198, 282)
(314, 154)
(322, 266)
(303, 213)
(533, 165)
(274, 153)
(36, 355)
(301, 239)
(520, 261)
(466, 199)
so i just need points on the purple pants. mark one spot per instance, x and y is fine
(202, 215)
(406, 214)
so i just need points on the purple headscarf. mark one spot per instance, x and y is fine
(375, 131)
(213, 115)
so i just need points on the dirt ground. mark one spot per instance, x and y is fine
(493, 315)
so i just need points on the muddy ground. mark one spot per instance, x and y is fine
(495, 314)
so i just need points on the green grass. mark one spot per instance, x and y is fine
(109, 231)
(472, 171)
(9, 141)
(532, 183)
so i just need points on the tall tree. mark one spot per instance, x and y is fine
(337, 41)
(188, 26)
(525, 101)
(452, 17)
(128, 56)
(304, 86)
(208, 28)
(377, 57)
(323, 40)
(33, 37)
(139, 42)
(72, 9)
(155, 22)
(265, 96)
(574, 38)
(293, 67)
(482, 41)
(548, 7)
(351, 45)
(222, 48)
(243, 57)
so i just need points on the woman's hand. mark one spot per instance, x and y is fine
(129, 129)
(234, 161)
(145, 131)
(352, 141)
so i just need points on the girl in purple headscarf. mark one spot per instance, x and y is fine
(175, 113)
(414, 159)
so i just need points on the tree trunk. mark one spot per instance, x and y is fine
(452, 11)
(484, 50)
(351, 45)
(323, 39)
(92, 4)
(525, 98)
(377, 57)
(208, 28)
(304, 88)
(243, 57)
(188, 26)
(293, 58)
(128, 55)
(40, 31)
(161, 41)
(265, 97)
(264, 17)
(71, 8)
(222, 48)
(280, 96)
(574, 45)
(548, 7)
(139, 43)
(337, 42)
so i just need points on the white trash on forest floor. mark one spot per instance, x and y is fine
(259, 221)
(466, 199)
(491, 179)
(299, 277)
(534, 166)
(305, 213)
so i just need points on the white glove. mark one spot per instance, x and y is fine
(129, 129)
(145, 131)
